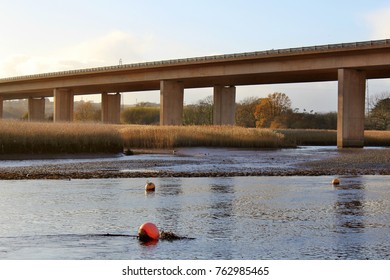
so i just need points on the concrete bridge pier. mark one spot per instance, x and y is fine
(111, 108)
(350, 117)
(63, 105)
(171, 103)
(36, 109)
(1, 107)
(224, 105)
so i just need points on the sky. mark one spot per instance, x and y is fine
(51, 35)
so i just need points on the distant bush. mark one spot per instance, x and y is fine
(200, 113)
(379, 117)
(245, 112)
(141, 115)
(87, 111)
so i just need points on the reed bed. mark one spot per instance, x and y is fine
(377, 138)
(39, 138)
(167, 137)
(18, 137)
(319, 137)
(309, 137)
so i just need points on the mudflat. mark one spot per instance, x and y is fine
(205, 162)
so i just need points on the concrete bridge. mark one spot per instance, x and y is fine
(349, 63)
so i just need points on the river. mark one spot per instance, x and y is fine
(297, 217)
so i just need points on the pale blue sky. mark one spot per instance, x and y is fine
(43, 36)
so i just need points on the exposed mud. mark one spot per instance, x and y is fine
(204, 162)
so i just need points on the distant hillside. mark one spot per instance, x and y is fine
(14, 109)
(18, 109)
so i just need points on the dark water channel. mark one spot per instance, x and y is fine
(230, 218)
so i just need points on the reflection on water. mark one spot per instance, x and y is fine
(221, 214)
(230, 218)
(349, 207)
(170, 213)
(349, 213)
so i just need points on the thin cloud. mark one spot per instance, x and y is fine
(379, 22)
(101, 51)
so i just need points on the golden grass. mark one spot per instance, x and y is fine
(377, 138)
(38, 138)
(162, 137)
(309, 137)
(318, 137)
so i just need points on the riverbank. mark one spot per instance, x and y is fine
(206, 162)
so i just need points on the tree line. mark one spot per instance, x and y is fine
(378, 118)
(273, 111)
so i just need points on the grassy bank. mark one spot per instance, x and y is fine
(163, 137)
(18, 137)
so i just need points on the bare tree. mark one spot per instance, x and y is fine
(379, 117)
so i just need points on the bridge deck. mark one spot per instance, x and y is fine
(304, 64)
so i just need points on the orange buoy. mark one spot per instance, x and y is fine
(150, 187)
(148, 231)
(336, 181)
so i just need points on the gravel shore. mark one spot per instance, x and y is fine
(213, 163)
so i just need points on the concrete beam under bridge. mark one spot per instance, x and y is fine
(224, 105)
(171, 103)
(36, 109)
(350, 117)
(63, 105)
(111, 108)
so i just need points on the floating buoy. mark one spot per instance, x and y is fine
(336, 181)
(148, 231)
(150, 187)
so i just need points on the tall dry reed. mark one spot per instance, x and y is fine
(377, 138)
(162, 137)
(38, 138)
(309, 137)
(319, 137)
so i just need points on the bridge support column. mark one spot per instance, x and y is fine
(350, 116)
(1, 107)
(36, 109)
(63, 105)
(171, 103)
(111, 108)
(224, 105)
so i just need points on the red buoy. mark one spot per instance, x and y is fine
(150, 187)
(148, 231)
(336, 181)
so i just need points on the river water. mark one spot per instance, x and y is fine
(229, 218)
